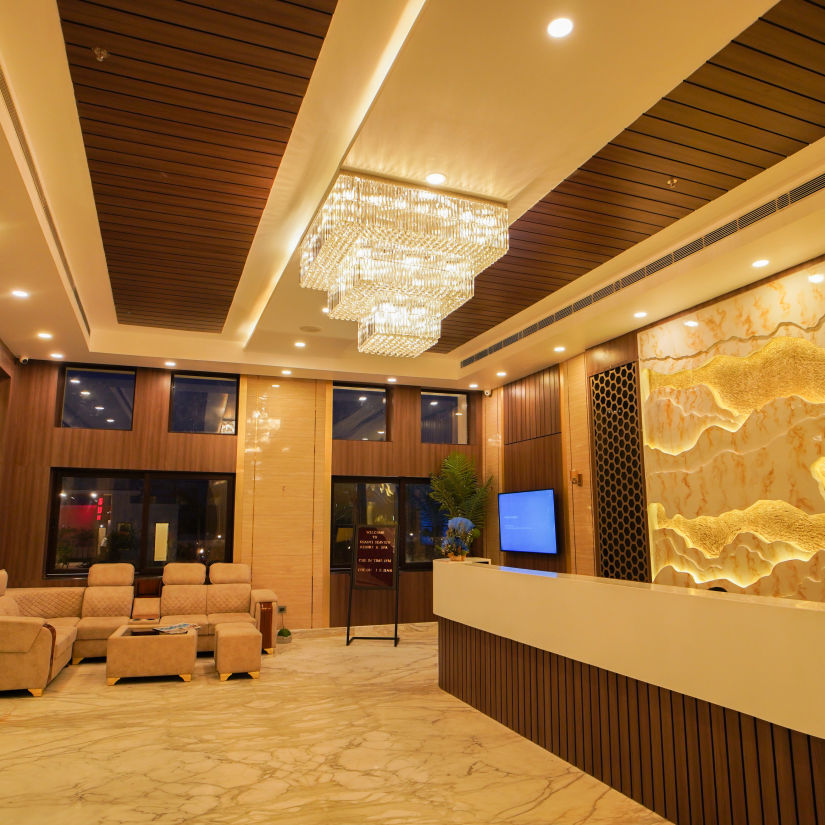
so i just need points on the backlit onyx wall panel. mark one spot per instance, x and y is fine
(621, 520)
(692, 762)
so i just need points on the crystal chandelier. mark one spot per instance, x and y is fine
(399, 258)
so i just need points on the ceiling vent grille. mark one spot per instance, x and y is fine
(780, 202)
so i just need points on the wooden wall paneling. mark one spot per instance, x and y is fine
(690, 761)
(610, 354)
(415, 600)
(532, 406)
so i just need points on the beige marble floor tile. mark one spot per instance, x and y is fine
(328, 735)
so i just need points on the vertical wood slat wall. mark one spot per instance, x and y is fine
(692, 762)
(532, 453)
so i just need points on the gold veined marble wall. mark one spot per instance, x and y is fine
(282, 492)
(734, 420)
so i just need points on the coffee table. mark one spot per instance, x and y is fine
(139, 653)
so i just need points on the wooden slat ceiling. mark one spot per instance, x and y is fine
(185, 122)
(757, 101)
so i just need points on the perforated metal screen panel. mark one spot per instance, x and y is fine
(621, 519)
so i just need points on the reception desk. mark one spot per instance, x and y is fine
(706, 707)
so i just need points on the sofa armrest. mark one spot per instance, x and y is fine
(262, 605)
(18, 633)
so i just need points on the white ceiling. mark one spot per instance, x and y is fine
(401, 88)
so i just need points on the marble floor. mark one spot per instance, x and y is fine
(328, 735)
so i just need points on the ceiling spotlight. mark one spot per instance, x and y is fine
(110, 421)
(501, 374)
(760, 263)
(817, 278)
(170, 363)
(560, 27)
(276, 386)
(99, 408)
(640, 315)
(300, 344)
(436, 178)
(57, 355)
(46, 336)
(473, 386)
(85, 392)
(558, 349)
(286, 372)
(380, 432)
(362, 397)
(325, 310)
(433, 403)
(74, 380)
(391, 380)
(691, 323)
(20, 293)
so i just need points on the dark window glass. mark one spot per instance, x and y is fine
(188, 519)
(98, 399)
(101, 518)
(424, 525)
(443, 418)
(359, 413)
(344, 518)
(204, 404)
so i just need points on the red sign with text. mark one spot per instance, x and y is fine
(375, 557)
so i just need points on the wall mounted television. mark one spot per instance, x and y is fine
(527, 522)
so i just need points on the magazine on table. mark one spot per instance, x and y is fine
(176, 629)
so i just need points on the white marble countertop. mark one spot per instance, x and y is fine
(761, 656)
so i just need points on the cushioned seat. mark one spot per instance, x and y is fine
(199, 619)
(64, 621)
(215, 619)
(107, 604)
(99, 627)
(183, 598)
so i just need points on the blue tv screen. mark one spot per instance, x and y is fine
(527, 522)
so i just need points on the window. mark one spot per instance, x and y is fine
(98, 399)
(204, 404)
(359, 413)
(146, 519)
(443, 418)
(404, 504)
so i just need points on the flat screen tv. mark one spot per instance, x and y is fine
(527, 522)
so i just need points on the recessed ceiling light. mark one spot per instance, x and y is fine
(380, 432)
(817, 278)
(286, 372)
(57, 355)
(276, 386)
(391, 380)
(560, 27)
(300, 344)
(74, 380)
(458, 413)
(558, 349)
(501, 374)
(436, 178)
(325, 310)
(110, 421)
(760, 263)
(170, 363)
(362, 397)
(691, 323)
(433, 403)
(46, 336)
(99, 408)
(85, 392)
(364, 439)
(473, 386)
(640, 315)
(20, 293)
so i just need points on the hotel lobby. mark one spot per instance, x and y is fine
(291, 290)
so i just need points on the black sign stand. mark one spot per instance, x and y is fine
(374, 567)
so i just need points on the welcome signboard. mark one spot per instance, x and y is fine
(374, 563)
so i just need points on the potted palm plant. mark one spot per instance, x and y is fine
(463, 498)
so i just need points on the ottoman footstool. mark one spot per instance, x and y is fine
(237, 649)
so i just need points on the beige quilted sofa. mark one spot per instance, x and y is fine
(75, 623)
(228, 597)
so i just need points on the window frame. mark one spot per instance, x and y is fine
(61, 395)
(146, 477)
(467, 396)
(387, 414)
(196, 374)
(401, 523)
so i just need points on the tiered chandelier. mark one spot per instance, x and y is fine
(399, 258)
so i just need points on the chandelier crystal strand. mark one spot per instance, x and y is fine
(399, 258)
